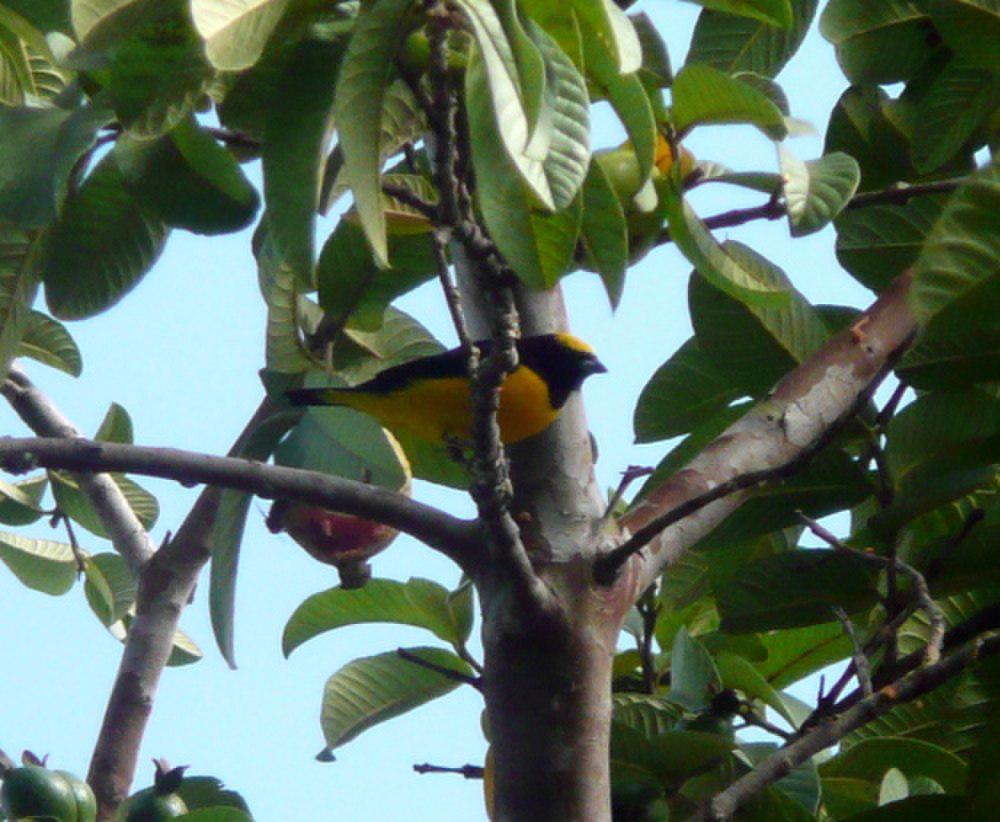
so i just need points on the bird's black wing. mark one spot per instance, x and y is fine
(437, 366)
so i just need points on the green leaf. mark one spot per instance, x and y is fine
(373, 689)
(871, 758)
(731, 43)
(283, 347)
(110, 587)
(762, 181)
(877, 42)
(102, 245)
(794, 589)
(602, 21)
(693, 675)
(47, 341)
(98, 23)
(794, 653)
(158, 76)
(684, 392)
(39, 147)
(417, 602)
(365, 76)
(752, 345)
(971, 28)
(41, 564)
(351, 284)
(45, 15)
(704, 95)
(116, 426)
(953, 359)
(188, 180)
(956, 285)
(656, 71)
(18, 286)
(718, 264)
(28, 71)
(209, 792)
(604, 232)
(817, 191)
(75, 504)
(235, 31)
(877, 243)
(669, 757)
(538, 246)
(214, 814)
(649, 714)
(960, 98)
(775, 12)
(918, 808)
(297, 129)
(740, 674)
(20, 503)
(227, 534)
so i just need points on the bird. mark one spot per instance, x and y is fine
(431, 397)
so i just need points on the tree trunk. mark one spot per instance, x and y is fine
(547, 684)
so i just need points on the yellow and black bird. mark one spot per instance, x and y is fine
(430, 397)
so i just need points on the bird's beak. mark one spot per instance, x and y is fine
(595, 366)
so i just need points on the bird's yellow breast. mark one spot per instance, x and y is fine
(438, 408)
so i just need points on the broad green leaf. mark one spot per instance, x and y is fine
(283, 347)
(671, 756)
(41, 564)
(611, 27)
(110, 587)
(373, 689)
(365, 74)
(28, 71)
(741, 674)
(752, 345)
(844, 797)
(762, 181)
(878, 42)
(235, 31)
(685, 391)
(536, 95)
(45, 15)
(20, 503)
(953, 359)
(39, 148)
(723, 266)
(795, 589)
(876, 243)
(116, 426)
(732, 43)
(217, 814)
(209, 792)
(227, 534)
(296, 132)
(351, 284)
(604, 232)
(956, 283)
(959, 100)
(649, 714)
(538, 246)
(956, 609)
(871, 758)
(568, 157)
(969, 27)
(158, 76)
(774, 12)
(76, 505)
(860, 125)
(462, 609)
(656, 71)
(694, 679)
(417, 602)
(631, 102)
(184, 650)
(794, 653)
(703, 95)
(18, 287)
(102, 245)
(47, 341)
(817, 191)
(188, 180)
(99, 23)
(918, 808)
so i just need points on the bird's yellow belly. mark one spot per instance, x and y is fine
(442, 408)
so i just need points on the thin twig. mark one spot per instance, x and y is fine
(81, 563)
(451, 295)
(629, 475)
(861, 666)
(756, 720)
(409, 198)
(447, 673)
(468, 771)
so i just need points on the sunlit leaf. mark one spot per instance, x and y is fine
(47, 341)
(816, 191)
(704, 95)
(235, 31)
(41, 564)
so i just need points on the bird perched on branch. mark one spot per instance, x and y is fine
(431, 396)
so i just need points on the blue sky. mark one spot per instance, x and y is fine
(181, 354)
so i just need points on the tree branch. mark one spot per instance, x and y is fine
(42, 416)
(906, 689)
(803, 408)
(452, 536)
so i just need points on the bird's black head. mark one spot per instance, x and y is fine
(563, 360)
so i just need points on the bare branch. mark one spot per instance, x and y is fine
(468, 771)
(42, 416)
(904, 690)
(447, 673)
(803, 408)
(450, 535)
(861, 666)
